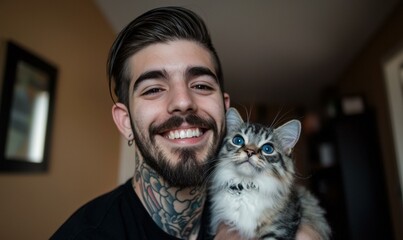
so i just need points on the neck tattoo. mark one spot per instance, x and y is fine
(177, 211)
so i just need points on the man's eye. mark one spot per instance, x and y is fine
(202, 87)
(152, 91)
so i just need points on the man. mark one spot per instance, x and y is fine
(171, 108)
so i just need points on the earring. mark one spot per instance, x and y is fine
(130, 142)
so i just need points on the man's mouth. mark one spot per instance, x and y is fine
(184, 133)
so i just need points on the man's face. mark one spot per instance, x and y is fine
(178, 110)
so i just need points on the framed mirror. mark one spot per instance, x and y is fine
(27, 102)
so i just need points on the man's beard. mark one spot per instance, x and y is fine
(187, 171)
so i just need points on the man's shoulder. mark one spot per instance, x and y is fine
(109, 210)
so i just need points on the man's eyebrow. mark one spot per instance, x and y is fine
(200, 71)
(153, 74)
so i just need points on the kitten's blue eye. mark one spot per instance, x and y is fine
(267, 148)
(238, 140)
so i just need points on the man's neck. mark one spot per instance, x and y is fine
(177, 211)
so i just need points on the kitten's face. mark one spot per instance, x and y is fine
(253, 149)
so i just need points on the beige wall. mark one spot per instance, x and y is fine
(366, 76)
(73, 35)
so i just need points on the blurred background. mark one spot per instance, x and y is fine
(337, 66)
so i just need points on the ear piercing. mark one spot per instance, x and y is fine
(130, 142)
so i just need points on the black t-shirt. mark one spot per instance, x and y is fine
(118, 214)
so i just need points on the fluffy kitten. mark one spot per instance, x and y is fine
(253, 188)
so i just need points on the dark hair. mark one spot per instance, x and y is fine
(155, 26)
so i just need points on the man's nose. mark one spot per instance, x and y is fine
(181, 99)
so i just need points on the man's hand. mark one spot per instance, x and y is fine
(305, 232)
(224, 233)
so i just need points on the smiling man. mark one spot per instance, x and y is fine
(171, 108)
(177, 111)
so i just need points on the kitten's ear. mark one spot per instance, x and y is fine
(234, 120)
(288, 135)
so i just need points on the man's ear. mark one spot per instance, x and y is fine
(226, 101)
(121, 118)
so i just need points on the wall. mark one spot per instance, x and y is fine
(74, 36)
(366, 77)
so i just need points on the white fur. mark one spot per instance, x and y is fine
(242, 211)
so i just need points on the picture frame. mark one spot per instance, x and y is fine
(26, 109)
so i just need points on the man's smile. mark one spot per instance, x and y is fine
(184, 133)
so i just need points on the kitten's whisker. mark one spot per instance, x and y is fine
(280, 118)
(274, 122)
(213, 168)
(249, 114)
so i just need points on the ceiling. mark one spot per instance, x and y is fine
(276, 51)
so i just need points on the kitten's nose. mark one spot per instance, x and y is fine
(249, 152)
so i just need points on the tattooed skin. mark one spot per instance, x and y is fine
(175, 210)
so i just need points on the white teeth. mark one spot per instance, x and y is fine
(189, 133)
(184, 133)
